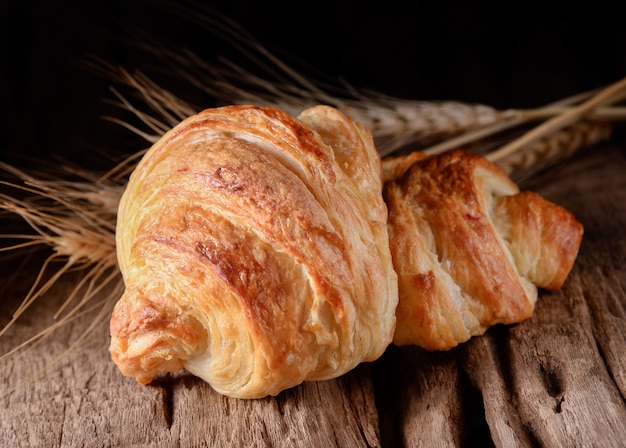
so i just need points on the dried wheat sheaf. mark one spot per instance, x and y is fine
(73, 221)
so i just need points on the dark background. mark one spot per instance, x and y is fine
(516, 54)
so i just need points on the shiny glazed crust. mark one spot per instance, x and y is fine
(469, 248)
(255, 253)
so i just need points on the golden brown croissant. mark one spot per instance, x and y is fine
(255, 253)
(469, 248)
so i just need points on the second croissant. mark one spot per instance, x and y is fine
(469, 248)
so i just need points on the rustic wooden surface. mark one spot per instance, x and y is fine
(558, 379)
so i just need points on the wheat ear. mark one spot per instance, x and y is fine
(75, 222)
(611, 94)
(554, 148)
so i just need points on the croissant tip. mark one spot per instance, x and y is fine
(144, 380)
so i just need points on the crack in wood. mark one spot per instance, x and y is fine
(552, 379)
(167, 400)
(558, 408)
(475, 431)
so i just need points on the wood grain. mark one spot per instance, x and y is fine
(557, 379)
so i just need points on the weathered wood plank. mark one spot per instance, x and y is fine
(562, 389)
(598, 195)
(593, 186)
(486, 365)
(331, 413)
(420, 399)
(558, 379)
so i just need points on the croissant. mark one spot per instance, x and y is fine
(469, 248)
(254, 252)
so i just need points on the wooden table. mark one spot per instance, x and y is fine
(558, 379)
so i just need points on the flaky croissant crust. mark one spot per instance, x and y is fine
(255, 253)
(469, 248)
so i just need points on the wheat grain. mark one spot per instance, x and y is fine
(553, 148)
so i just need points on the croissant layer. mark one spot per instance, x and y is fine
(255, 253)
(469, 248)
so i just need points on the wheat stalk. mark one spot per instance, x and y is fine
(398, 125)
(613, 93)
(74, 221)
(449, 124)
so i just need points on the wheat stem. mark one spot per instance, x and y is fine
(600, 114)
(612, 93)
(94, 287)
(475, 135)
(517, 118)
(36, 241)
(553, 148)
